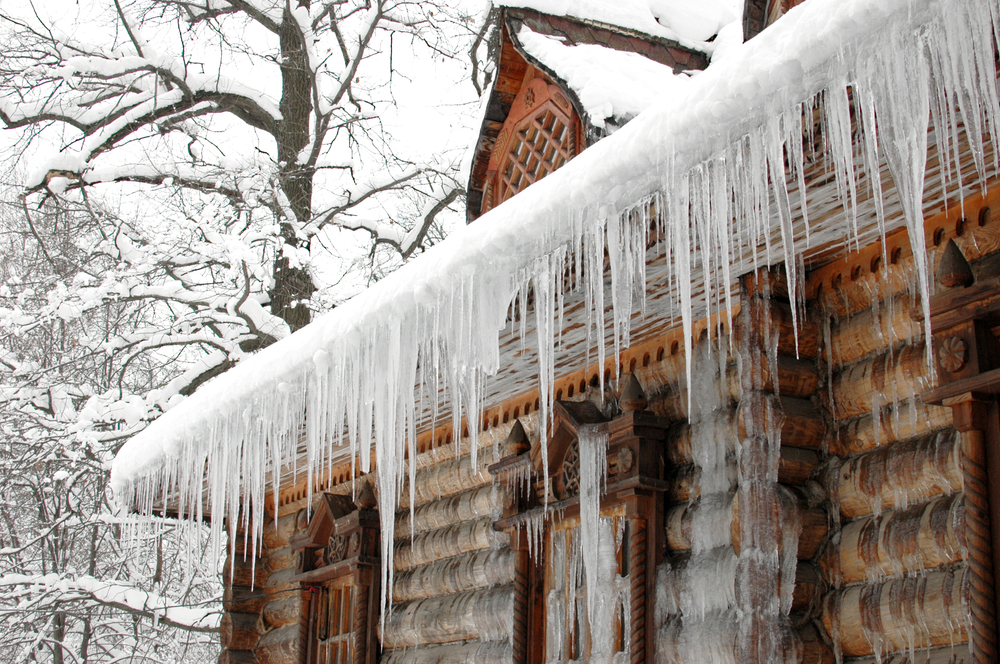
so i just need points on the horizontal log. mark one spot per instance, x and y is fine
(468, 571)
(899, 421)
(243, 599)
(473, 652)
(921, 537)
(878, 381)
(447, 511)
(237, 657)
(900, 474)
(282, 610)
(281, 581)
(280, 646)
(903, 613)
(711, 640)
(446, 543)
(950, 654)
(808, 588)
(875, 329)
(685, 483)
(485, 614)
(700, 526)
(814, 523)
(796, 378)
(244, 571)
(778, 318)
(815, 649)
(678, 442)
(284, 557)
(447, 478)
(239, 631)
(795, 467)
(802, 426)
(277, 533)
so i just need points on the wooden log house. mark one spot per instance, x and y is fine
(814, 480)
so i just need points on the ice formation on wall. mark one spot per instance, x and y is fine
(712, 164)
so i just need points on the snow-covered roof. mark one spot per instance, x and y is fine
(713, 160)
(607, 82)
(690, 24)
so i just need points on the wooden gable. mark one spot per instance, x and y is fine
(534, 123)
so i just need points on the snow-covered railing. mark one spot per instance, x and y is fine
(713, 165)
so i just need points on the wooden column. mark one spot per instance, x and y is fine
(763, 632)
(967, 357)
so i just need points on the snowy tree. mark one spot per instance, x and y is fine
(69, 590)
(258, 123)
(196, 171)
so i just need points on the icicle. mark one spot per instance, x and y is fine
(721, 212)
(593, 472)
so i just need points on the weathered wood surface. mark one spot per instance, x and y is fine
(473, 652)
(237, 657)
(777, 318)
(795, 467)
(802, 424)
(921, 537)
(979, 545)
(814, 648)
(902, 613)
(445, 543)
(283, 610)
(482, 569)
(809, 586)
(239, 631)
(447, 478)
(900, 474)
(950, 654)
(797, 378)
(899, 421)
(813, 521)
(678, 441)
(280, 646)
(875, 329)
(486, 614)
(282, 558)
(276, 533)
(242, 599)
(447, 511)
(281, 582)
(878, 381)
(685, 483)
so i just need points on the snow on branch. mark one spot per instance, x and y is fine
(47, 591)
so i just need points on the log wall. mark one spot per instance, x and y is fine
(893, 563)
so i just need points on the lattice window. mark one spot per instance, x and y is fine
(332, 622)
(541, 134)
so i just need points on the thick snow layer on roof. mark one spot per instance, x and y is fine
(724, 164)
(688, 23)
(609, 83)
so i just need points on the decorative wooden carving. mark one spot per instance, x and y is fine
(541, 133)
(635, 482)
(967, 354)
(339, 568)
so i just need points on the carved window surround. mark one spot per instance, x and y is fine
(339, 566)
(636, 472)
